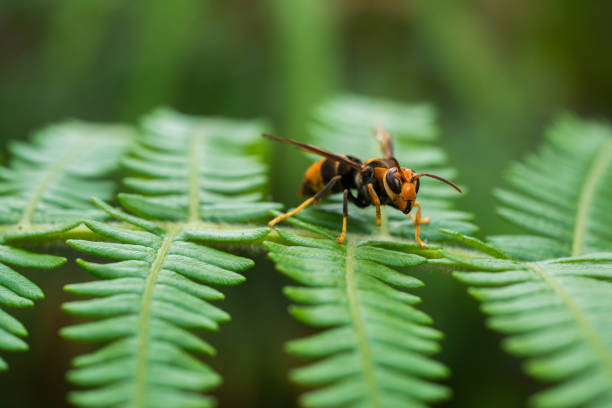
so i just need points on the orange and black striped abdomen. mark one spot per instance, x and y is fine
(322, 171)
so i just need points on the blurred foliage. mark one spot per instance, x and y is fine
(497, 71)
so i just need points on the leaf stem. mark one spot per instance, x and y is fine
(51, 175)
(194, 177)
(144, 323)
(354, 309)
(583, 321)
(592, 181)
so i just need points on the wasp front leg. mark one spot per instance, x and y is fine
(423, 220)
(418, 221)
(376, 201)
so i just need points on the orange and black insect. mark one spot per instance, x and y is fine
(375, 181)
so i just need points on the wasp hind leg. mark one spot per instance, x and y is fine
(418, 221)
(314, 199)
(340, 239)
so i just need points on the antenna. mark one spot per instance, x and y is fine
(442, 179)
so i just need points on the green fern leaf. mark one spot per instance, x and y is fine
(376, 347)
(159, 288)
(563, 194)
(553, 295)
(200, 173)
(376, 350)
(44, 191)
(147, 300)
(556, 313)
(18, 291)
(50, 181)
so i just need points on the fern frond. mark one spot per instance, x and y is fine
(46, 190)
(376, 348)
(189, 169)
(557, 314)
(50, 181)
(563, 194)
(551, 291)
(147, 301)
(18, 291)
(160, 288)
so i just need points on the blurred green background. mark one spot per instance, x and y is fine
(498, 72)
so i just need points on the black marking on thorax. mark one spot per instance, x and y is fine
(331, 168)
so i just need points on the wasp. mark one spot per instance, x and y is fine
(378, 181)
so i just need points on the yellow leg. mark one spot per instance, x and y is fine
(340, 239)
(418, 221)
(291, 213)
(376, 201)
(306, 203)
(423, 221)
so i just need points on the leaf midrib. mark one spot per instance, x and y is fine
(82, 232)
(358, 325)
(52, 173)
(591, 334)
(592, 181)
(144, 321)
(194, 177)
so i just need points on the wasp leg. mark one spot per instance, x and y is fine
(418, 221)
(340, 239)
(314, 199)
(376, 201)
(423, 221)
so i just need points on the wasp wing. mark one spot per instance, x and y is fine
(317, 150)
(386, 146)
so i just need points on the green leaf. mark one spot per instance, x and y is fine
(375, 346)
(374, 322)
(45, 191)
(200, 174)
(553, 301)
(562, 194)
(55, 175)
(557, 316)
(160, 289)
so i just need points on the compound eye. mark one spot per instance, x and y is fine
(417, 185)
(393, 182)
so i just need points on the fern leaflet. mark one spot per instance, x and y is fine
(564, 194)
(190, 169)
(557, 313)
(147, 300)
(160, 286)
(376, 348)
(46, 190)
(552, 292)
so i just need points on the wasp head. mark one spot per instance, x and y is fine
(402, 185)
